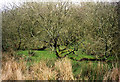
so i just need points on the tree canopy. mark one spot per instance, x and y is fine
(91, 27)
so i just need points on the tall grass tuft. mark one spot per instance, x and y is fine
(64, 69)
(19, 70)
(113, 74)
(40, 71)
(12, 70)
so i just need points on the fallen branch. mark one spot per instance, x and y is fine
(87, 59)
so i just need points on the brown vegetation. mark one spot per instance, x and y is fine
(13, 69)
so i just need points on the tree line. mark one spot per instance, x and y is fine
(60, 26)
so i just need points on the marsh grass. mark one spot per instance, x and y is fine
(57, 69)
(64, 68)
(19, 70)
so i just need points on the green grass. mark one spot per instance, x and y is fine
(39, 54)
(50, 59)
(46, 54)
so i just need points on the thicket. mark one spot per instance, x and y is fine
(90, 27)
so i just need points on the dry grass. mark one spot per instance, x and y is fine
(64, 68)
(11, 70)
(41, 71)
(113, 74)
(14, 70)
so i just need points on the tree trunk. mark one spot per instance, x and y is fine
(19, 45)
